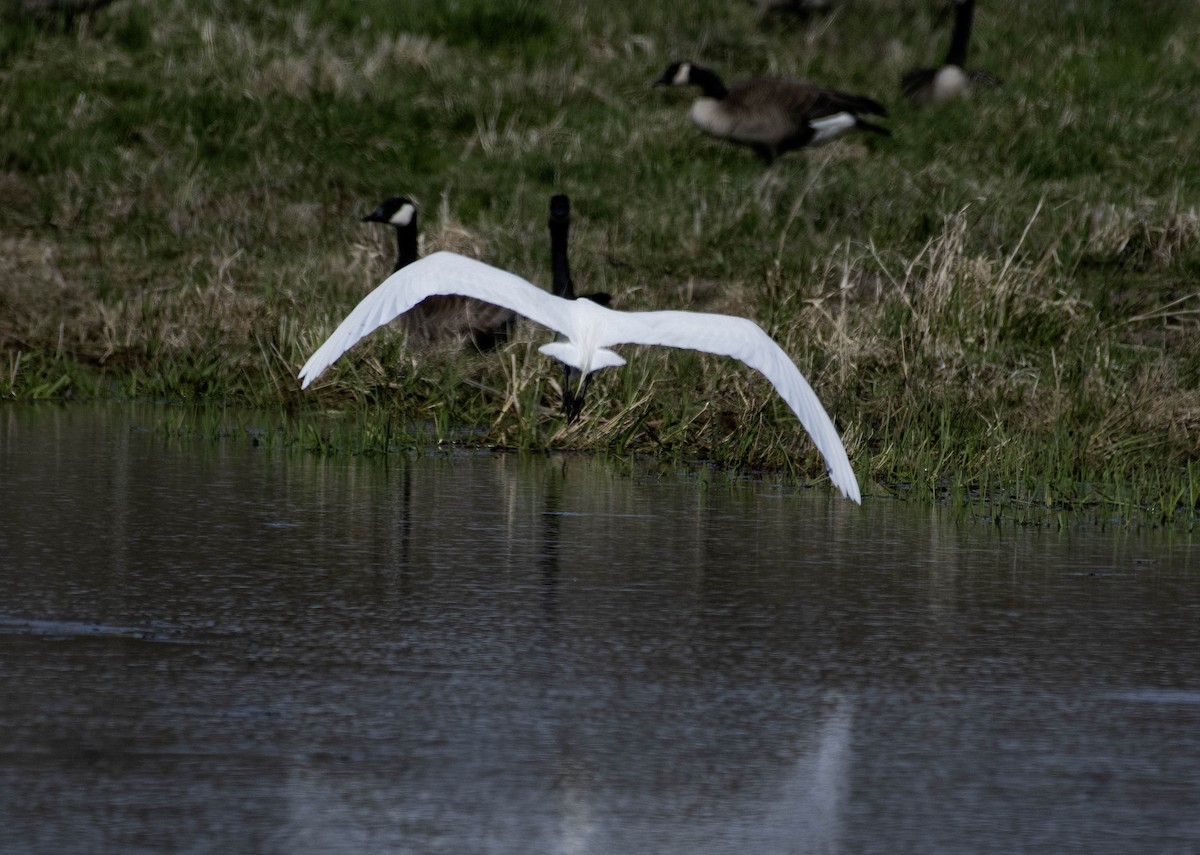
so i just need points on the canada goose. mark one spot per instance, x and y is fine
(561, 285)
(772, 115)
(400, 212)
(588, 332)
(933, 87)
(439, 318)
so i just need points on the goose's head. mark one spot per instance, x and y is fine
(560, 208)
(677, 74)
(397, 211)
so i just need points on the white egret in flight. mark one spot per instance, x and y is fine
(588, 331)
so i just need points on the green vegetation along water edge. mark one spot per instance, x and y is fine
(999, 302)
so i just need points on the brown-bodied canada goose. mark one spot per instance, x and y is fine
(772, 115)
(561, 285)
(440, 318)
(933, 87)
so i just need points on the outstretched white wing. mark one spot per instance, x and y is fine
(439, 273)
(742, 339)
(591, 326)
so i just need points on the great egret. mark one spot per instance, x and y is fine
(772, 115)
(561, 285)
(439, 318)
(588, 332)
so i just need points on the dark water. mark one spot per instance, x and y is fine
(208, 647)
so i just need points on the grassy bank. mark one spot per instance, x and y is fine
(1000, 299)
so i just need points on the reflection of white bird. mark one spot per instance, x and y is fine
(588, 331)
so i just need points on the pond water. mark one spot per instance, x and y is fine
(207, 646)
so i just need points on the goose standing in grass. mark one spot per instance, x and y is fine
(587, 332)
(439, 318)
(933, 87)
(772, 115)
(561, 285)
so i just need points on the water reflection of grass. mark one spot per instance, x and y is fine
(1001, 299)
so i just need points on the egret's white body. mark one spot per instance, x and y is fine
(588, 332)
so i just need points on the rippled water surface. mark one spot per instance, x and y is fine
(209, 647)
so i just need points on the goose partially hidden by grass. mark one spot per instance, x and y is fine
(439, 318)
(772, 115)
(588, 331)
(933, 87)
(561, 285)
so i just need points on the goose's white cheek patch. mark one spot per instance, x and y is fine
(403, 215)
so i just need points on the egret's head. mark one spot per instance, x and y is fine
(398, 211)
(677, 74)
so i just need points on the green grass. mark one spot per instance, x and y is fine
(998, 304)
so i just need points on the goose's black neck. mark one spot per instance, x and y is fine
(963, 13)
(406, 243)
(560, 267)
(708, 81)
